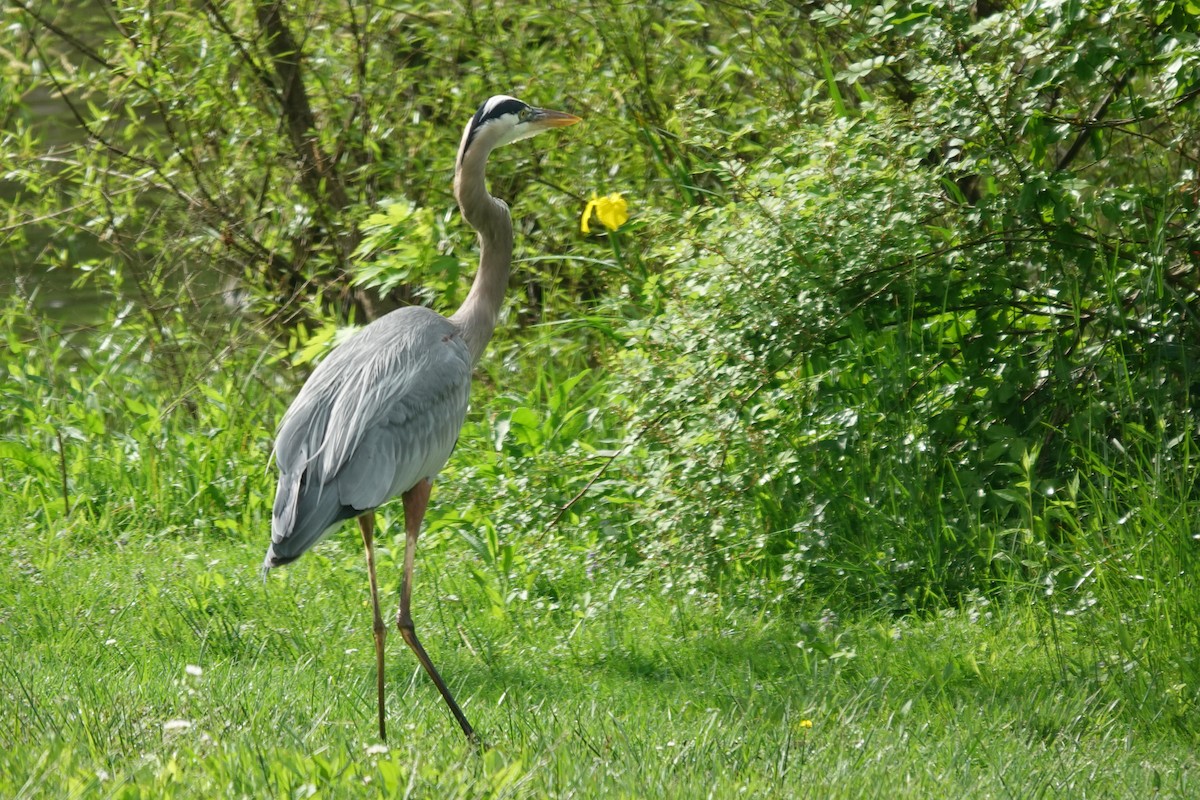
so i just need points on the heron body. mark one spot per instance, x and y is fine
(379, 417)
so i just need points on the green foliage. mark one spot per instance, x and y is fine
(882, 398)
(874, 367)
(98, 436)
(259, 140)
(404, 244)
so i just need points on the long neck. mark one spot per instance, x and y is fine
(477, 316)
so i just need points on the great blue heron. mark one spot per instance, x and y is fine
(381, 414)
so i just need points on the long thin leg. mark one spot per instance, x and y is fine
(366, 523)
(415, 501)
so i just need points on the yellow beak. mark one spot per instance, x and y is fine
(545, 118)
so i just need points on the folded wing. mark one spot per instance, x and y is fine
(380, 414)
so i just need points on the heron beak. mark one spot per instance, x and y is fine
(545, 118)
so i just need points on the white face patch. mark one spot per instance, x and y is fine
(501, 110)
(503, 119)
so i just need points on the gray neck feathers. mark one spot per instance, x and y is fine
(477, 316)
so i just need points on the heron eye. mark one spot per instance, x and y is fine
(525, 114)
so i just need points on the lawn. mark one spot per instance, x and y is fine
(165, 667)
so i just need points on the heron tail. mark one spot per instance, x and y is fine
(301, 517)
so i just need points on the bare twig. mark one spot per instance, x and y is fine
(65, 35)
(604, 468)
(62, 467)
(1094, 117)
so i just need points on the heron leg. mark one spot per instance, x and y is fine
(366, 523)
(416, 500)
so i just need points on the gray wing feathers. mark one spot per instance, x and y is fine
(398, 455)
(283, 516)
(380, 413)
(311, 514)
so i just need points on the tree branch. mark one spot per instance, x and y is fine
(65, 35)
(319, 180)
(1093, 120)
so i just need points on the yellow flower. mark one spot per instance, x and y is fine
(611, 210)
(806, 723)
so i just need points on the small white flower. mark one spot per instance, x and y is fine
(193, 670)
(377, 749)
(110, 642)
(176, 725)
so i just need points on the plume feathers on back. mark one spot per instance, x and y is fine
(378, 415)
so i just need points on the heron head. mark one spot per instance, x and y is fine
(503, 120)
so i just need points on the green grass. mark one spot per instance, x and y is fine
(591, 689)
